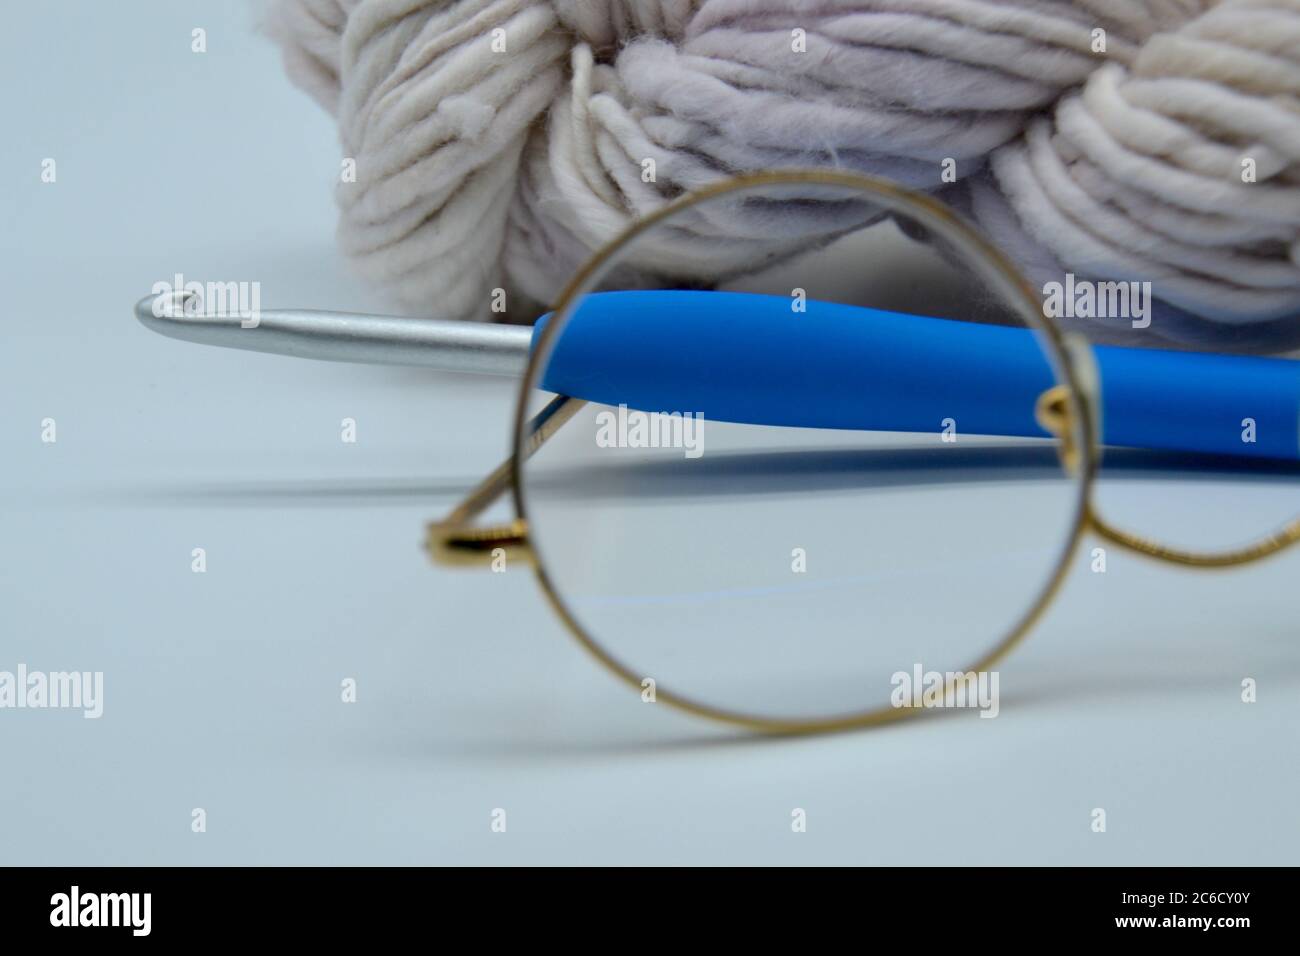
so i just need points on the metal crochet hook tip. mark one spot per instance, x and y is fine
(342, 336)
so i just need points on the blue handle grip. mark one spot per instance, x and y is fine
(739, 357)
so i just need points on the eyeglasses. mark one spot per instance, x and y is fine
(758, 486)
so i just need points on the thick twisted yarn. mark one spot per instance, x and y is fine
(498, 142)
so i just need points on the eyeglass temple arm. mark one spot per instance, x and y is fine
(455, 540)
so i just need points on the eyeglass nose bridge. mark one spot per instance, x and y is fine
(1055, 411)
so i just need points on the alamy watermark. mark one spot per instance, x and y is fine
(942, 689)
(37, 690)
(1084, 299)
(633, 429)
(242, 300)
(75, 908)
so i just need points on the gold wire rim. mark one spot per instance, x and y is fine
(947, 225)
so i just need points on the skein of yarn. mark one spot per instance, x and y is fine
(497, 143)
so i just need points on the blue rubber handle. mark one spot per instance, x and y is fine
(739, 357)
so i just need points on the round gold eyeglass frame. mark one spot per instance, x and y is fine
(1068, 410)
